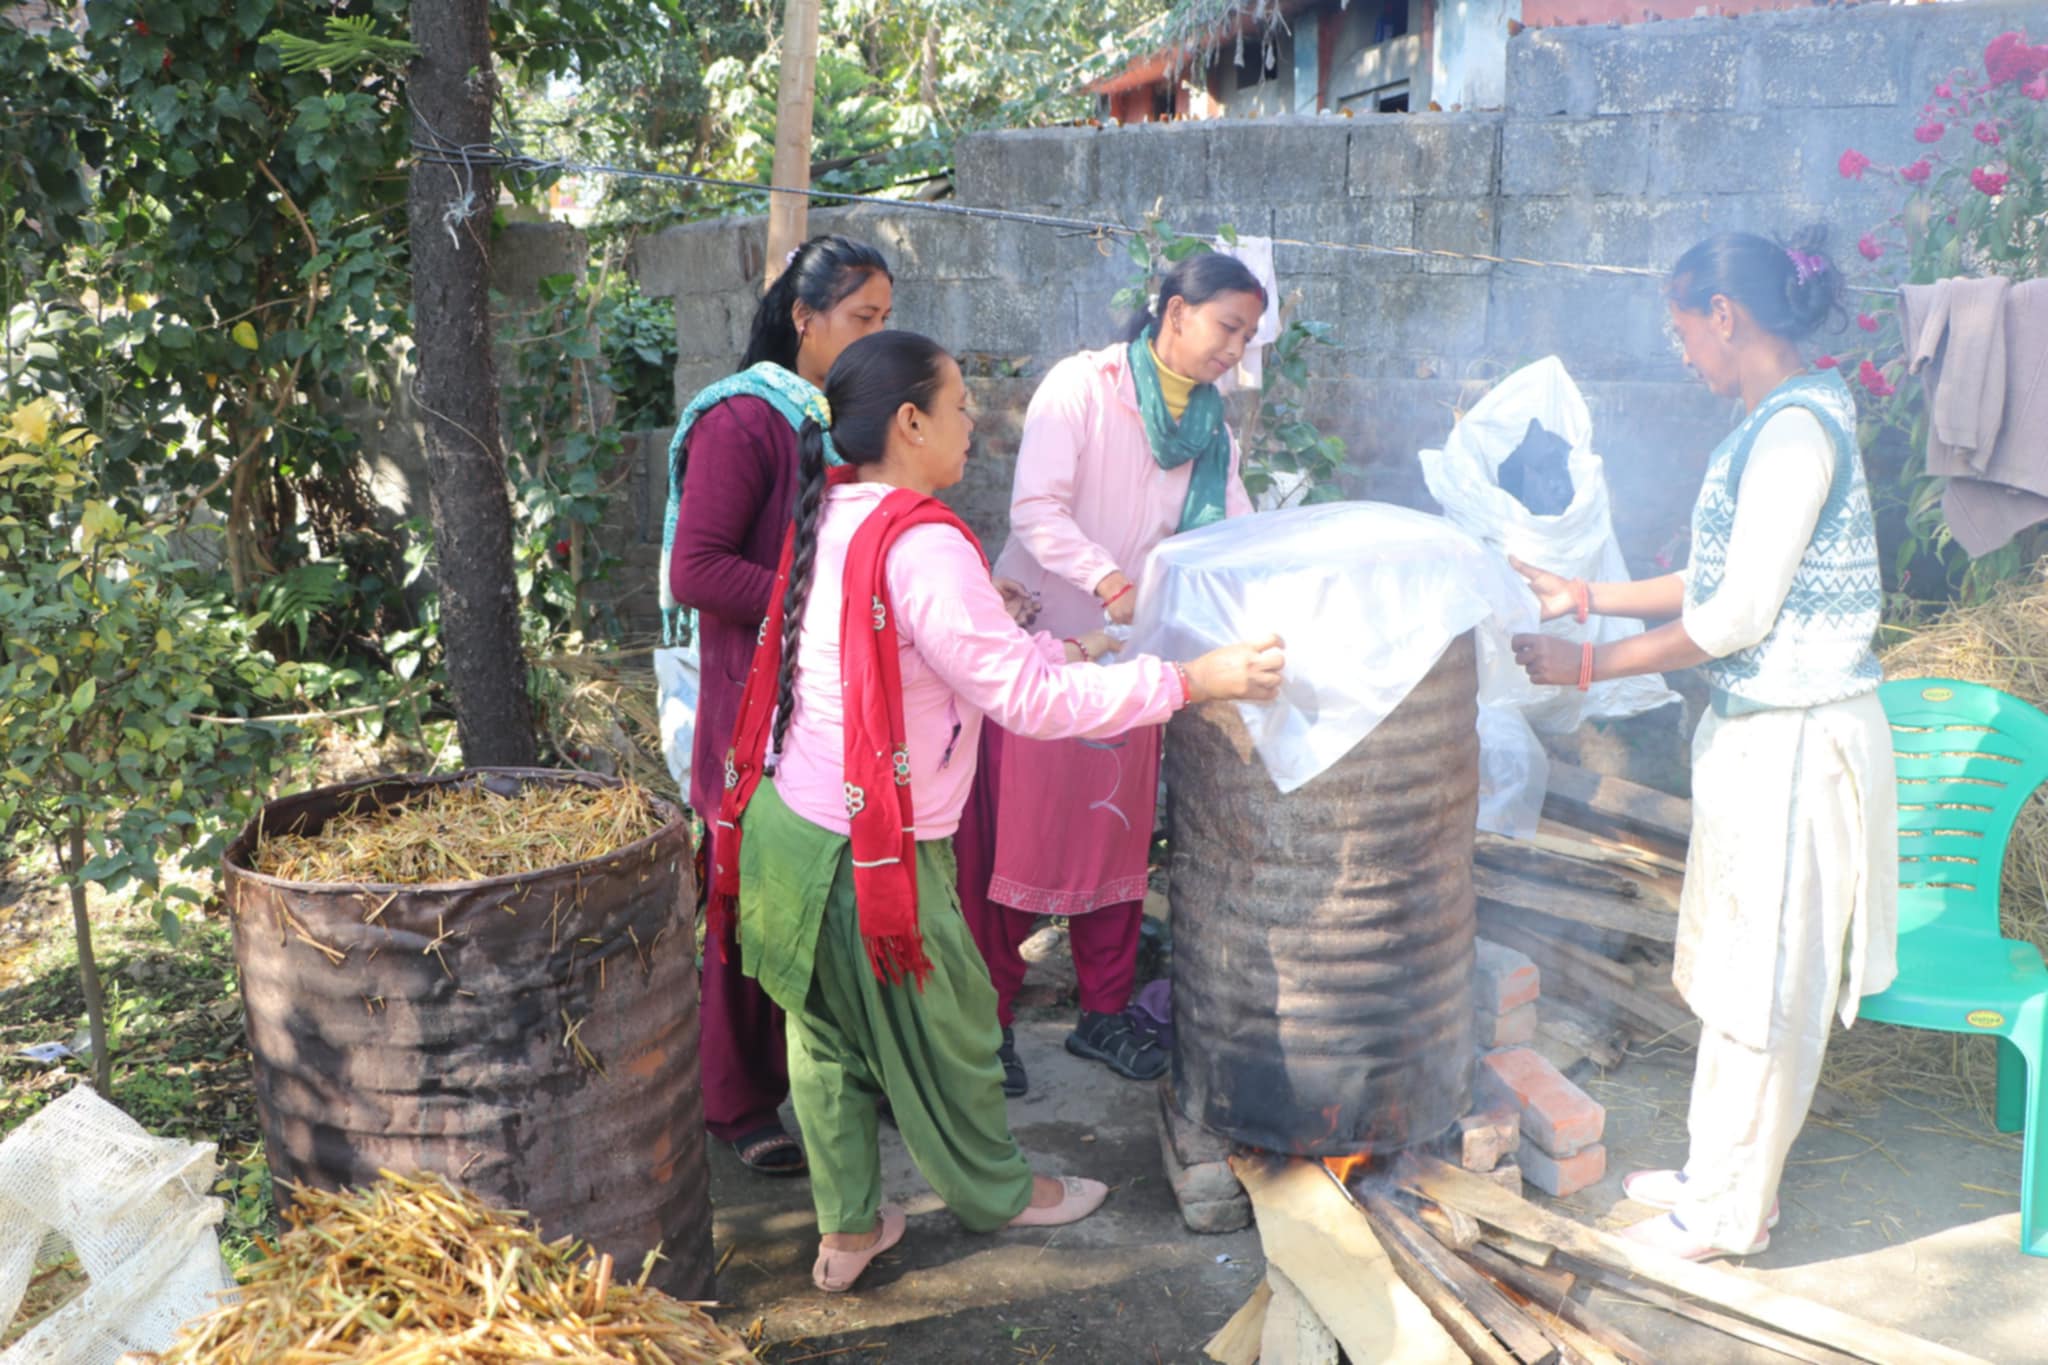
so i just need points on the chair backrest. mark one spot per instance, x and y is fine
(1968, 757)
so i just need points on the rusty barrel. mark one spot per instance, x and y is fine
(436, 1028)
(1322, 940)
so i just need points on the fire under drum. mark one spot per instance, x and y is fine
(1323, 938)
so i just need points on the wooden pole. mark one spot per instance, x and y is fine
(794, 95)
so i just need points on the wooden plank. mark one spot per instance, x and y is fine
(1458, 1231)
(1568, 862)
(795, 96)
(1294, 1333)
(1787, 1313)
(1237, 1342)
(1321, 1240)
(1567, 1022)
(1630, 849)
(1546, 1286)
(1575, 794)
(1534, 1254)
(1472, 1335)
(1479, 1295)
(1635, 917)
(1543, 1290)
(1724, 1323)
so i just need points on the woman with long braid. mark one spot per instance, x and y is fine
(732, 479)
(885, 647)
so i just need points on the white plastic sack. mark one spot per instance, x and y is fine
(134, 1208)
(1514, 773)
(1577, 543)
(676, 681)
(1366, 596)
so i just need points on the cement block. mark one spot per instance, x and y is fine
(1465, 225)
(1597, 324)
(1641, 72)
(927, 248)
(699, 258)
(1836, 66)
(1574, 156)
(704, 327)
(1279, 160)
(1447, 155)
(1403, 320)
(1725, 154)
(1547, 228)
(1140, 165)
(1546, 76)
(1379, 220)
(1040, 167)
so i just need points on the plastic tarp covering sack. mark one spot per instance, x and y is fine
(135, 1210)
(1577, 543)
(1366, 596)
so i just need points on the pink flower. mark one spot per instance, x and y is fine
(562, 548)
(1868, 245)
(1918, 172)
(1929, 132)
(1866, 322)
(1873, 379)
(1825, 362)
(2037, 88)
(2008, 58)
(1853, 164)
(1986, 134)
(1988, 181)
(1944, 91)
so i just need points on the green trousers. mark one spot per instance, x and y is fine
(853, 1039)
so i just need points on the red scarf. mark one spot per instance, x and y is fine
(879, 807)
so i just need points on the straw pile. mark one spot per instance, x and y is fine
(465, 833)
(418, 1272)
(2001, 642)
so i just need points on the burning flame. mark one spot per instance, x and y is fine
(1345, 1167)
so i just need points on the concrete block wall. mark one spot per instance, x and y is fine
(1616, 146)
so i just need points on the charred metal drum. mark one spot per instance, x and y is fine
(1322, 940)
(435, 1028)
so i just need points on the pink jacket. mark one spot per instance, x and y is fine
(962, 658)
(1088, 498)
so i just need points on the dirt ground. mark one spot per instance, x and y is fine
(1906, 1215)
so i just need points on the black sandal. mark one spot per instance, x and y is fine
(1015, 1082)
(1110, 1039)
(771, 1151)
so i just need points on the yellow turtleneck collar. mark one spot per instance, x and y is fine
(1176, 389)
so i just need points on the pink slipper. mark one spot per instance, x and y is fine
(1666, 1190)
(836, 1271)
(1666, 1234)
(1079, 1197)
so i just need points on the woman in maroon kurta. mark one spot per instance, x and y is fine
(739, 462)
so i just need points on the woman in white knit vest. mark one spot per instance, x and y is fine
(1788, 915)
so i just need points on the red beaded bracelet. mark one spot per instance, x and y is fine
(1187, 684)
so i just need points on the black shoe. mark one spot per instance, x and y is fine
(1015, 1082)
(1110, 1039)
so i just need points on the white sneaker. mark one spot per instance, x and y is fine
(1666, 1234)
(1666, 1190)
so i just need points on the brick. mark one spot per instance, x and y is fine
(1485, 1140)
(1502, 979)
(1507, 1175)
(1516, 1028)
(1564, 1176)
(1556, 1115)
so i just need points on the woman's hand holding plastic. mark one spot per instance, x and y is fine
(1250, 672)
(1553, 594)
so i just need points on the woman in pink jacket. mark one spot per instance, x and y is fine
(1122, 448)
(884, 648)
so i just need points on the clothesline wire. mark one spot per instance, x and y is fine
(1102, 232)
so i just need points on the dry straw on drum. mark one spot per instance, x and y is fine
(417, 1272)
(464, 833)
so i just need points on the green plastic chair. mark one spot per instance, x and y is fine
(1968, 759)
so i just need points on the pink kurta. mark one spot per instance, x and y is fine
(962, 658)
(1074, 817)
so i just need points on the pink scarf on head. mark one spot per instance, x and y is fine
(879, 807)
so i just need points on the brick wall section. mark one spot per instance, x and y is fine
(1616, 146)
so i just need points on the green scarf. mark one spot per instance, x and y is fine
(1199, 436)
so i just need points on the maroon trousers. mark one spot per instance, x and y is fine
(741, 1050)
(1104, 942)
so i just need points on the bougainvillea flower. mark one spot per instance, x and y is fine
(1986, 134)
(1918, 172)
(1869, 246)
(1944, 91)
(1873, 379)
(2037, 88)
(1825, 362)
(1866, 322)
(1988, 181)
(2008, 58)
(1853, 164)
(1929, 132)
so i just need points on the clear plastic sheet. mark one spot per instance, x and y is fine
(1578, 542)
(1366, 596)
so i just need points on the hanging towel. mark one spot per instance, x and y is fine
(1257, 255)
(1981, 349)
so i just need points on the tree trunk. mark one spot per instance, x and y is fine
(72, 855)
(451, 86)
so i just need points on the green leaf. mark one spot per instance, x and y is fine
(245, 335)
(79, 765)
(83, 698)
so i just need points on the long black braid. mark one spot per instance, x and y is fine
(869, 384)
